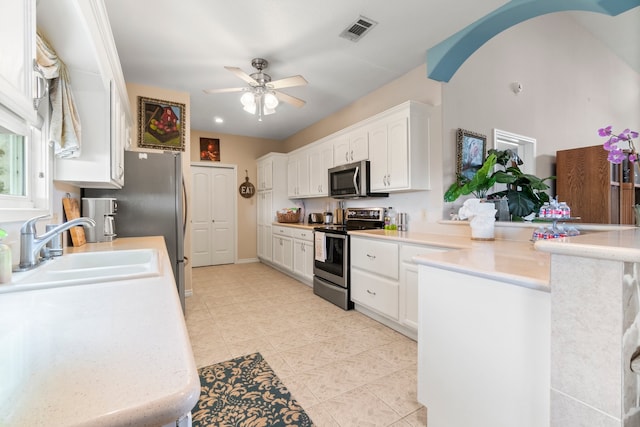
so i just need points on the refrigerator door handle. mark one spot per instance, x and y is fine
(186, 208)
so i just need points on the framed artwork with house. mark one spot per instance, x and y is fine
(470, 148)
(160, 124)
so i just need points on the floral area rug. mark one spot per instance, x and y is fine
(245, 392)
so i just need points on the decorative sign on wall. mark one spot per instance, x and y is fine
(247, 190)
(210, 149)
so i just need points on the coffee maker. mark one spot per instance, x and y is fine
(102, 211)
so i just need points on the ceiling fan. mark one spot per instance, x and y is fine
(261, 95)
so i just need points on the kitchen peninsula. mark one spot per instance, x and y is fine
(517, 333)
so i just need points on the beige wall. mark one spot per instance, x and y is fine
(412, 86)
(241, 151)
(134, 91)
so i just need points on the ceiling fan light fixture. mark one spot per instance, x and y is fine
(270, 101)
(248, 100)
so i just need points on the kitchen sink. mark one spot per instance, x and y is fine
(87, 268)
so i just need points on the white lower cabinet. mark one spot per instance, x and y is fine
(384, 280)
(292, 251)
(282, 247)
(374, 275)
(375, 292)
(303, 254)
(409, 279)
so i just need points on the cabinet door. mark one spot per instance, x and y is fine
(118, 135)
(341, 150)
(292, 177)
(359, 145)
(375, 256)
(320, 160)
(409, 282)
(303, 258)
(378, 157)
(17, 44)
(298, 175)
(283, 252)
(375, 292)
(264, 249)
(265, 174)
(398, 166)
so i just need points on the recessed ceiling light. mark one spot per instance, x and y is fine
(218, 120)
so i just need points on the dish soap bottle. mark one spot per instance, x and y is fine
(390, 219)
(5, 259)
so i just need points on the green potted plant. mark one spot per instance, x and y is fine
(525, 192)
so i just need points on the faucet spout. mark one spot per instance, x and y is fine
(30, 244)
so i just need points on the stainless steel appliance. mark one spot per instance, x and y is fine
(152, 203)
(331, 265)
(102, 211)
(316, 218)
(351, 181)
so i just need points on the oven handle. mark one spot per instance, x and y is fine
(334, 235)
(355, 177)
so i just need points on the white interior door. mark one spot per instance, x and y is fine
(214, 215)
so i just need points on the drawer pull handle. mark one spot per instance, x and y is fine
(371, 292)
(372, 257)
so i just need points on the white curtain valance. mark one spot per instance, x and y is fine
(64, 129)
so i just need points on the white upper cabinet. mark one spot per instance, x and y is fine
(351, 147)
(80, 33)
(399, 149)
(17, 47)
(298, 174)
(265, 174)
(320, 160)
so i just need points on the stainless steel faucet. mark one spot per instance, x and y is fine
(30, 244)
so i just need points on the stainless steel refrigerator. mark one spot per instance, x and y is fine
(152, 203)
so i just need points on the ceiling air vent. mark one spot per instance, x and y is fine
(358, 29)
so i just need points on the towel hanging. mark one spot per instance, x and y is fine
(64, 129)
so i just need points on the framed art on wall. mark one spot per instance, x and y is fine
(160, 124)
(471, 149)
(210, 149)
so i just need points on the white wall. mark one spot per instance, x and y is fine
(572, 85)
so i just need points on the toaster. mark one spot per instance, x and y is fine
(316, 218)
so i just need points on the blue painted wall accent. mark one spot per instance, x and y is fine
(444, 59)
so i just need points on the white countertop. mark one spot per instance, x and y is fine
(618, 245)
(101, 354)
(510, 261)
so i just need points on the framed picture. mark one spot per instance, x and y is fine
(210, 149)
(471, 149)
(160, 124)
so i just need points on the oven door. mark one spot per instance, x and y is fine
(335, 267)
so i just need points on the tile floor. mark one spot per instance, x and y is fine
(342, 367)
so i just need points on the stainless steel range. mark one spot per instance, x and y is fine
(331, 266)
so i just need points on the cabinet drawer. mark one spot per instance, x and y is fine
(407, 252)
(375, 256)
(375, 292)
(282, 231)
(302, 234)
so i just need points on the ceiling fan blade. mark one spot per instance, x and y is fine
(244, 76)
(230, 89)
(287, 82)
(296, 102)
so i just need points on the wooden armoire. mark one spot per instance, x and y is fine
(597, 191)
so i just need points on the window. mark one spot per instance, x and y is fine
(24, 177)
(523, 146)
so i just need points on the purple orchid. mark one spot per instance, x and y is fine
(617, 154)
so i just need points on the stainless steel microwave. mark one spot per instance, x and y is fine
(351, 181)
